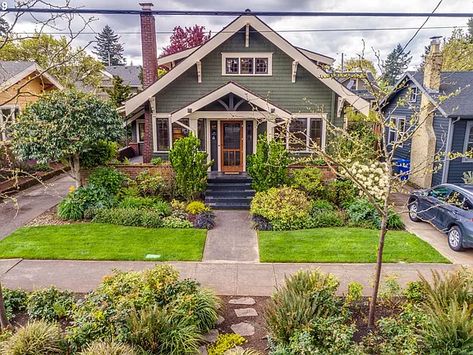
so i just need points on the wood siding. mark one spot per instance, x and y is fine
(458, 167)
(307, 94)
(30, 90)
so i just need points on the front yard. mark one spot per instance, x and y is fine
(343, 245)
(104, 242)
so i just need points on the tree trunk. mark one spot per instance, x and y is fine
(379, 264)
(4, 323)
(75, 169)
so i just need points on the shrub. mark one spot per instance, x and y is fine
(14, 301)
(176, 222)
(38, 337)
(268, 167)
(414, 292)
(309, 180)
(99, 154)
(190, 166)
(205, 220)
(50, 304)
(129, 217)
(306, 296)
(177, 205)
(362, 213)
(110, 179)
(158, 331)
(261, 223)
(108, 348)
(283, 206)
(196, 207)
(341, 192)
(156, 161)
(354, 294)
(151, 184)
(150, 203)
(321, 206)
(78, 201)
(225, 342)
(325, 219)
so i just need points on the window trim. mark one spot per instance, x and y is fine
(138, 122)
(469, 126)
(3, 133)
(253, 55)
(308, 117)
(414, 94)
(396, 130)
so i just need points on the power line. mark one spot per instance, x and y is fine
(284, 31)
(235, 13)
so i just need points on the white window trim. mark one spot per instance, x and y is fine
(413, 94)
(3, 133)
(308, 116)
(253, 55)
(469, 127)
(138, 122)
(395, 130)
(155, 132)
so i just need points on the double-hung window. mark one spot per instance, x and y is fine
(247, 64)
(8, 116)
(397, 128)
(304, 132)
(468, 144)
(413, 94)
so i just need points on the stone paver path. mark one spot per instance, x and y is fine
(232, 240)
(32, 202)
(236, 279)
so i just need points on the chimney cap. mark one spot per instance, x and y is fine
(146, 6)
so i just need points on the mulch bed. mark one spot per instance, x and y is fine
(257, 341)
(49, 218)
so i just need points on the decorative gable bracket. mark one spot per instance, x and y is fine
(199, 71)
(247, 35)
(294, 70)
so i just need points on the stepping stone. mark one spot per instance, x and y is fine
(246, 312)
(203, 350)
(244, 329)
(233, 350)
(246, 301)
(220, 320)
(211, 336)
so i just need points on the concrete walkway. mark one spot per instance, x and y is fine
(253, 279)
(232, 239)
(32, 202)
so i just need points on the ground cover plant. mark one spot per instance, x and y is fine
(95, 241)
(343, 244)
(147, 312)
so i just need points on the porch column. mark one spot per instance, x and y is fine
(193, 125)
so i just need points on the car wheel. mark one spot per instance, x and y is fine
(413, 210)
(455, 238)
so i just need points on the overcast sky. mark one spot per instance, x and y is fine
(328, 43)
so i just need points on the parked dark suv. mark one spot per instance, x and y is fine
(449, 208)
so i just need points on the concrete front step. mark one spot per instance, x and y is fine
(229, 193)
(229, 206)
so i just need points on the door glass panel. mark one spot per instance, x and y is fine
(231, 133)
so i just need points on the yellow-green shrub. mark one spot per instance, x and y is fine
(196, 207)
(225, 342)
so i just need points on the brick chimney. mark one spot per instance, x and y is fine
(424, 140)
(150, 71)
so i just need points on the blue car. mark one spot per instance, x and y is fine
(449, 208)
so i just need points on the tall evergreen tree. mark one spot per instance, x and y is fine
(108, 48)
(396, 63)
(4, 27)
(119, 92)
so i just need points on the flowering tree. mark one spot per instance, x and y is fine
(62, 125)
(184, 38)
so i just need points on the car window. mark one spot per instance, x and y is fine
(459, 200)
(440, 192)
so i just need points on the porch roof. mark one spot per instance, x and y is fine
(236, 89)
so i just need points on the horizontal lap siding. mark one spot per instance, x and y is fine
(457, 167)
(441, 132)
(307, 94)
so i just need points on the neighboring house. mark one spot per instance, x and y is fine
(445, 125)
(130, 74)
(21, 83)
(245, 81)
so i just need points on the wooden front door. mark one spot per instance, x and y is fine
(232, 146)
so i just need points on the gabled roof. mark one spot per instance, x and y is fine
(130, 74)
(357, 102)
(234, 88)
(11, 72)
(456, 87)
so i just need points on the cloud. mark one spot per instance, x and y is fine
(329, 43)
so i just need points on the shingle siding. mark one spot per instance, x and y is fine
(307, 94)
(441, 134)
(458, 167)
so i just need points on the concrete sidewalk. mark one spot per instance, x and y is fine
(32, 202)
(253, 279)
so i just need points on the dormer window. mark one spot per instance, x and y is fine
(247, 64)
(413, 95)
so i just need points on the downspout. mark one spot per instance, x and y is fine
(448, 149)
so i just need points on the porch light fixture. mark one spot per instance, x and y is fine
(189, 110)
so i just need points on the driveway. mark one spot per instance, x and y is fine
(430, 234)
(32, 202)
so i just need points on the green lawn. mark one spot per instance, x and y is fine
(103, 242)
(343, 245)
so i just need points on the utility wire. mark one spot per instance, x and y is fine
(236, 13)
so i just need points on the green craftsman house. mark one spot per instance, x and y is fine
(245, 81)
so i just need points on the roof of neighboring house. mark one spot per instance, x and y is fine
(347, 78)
(11, 72)
(303, 60)
(130, 74)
